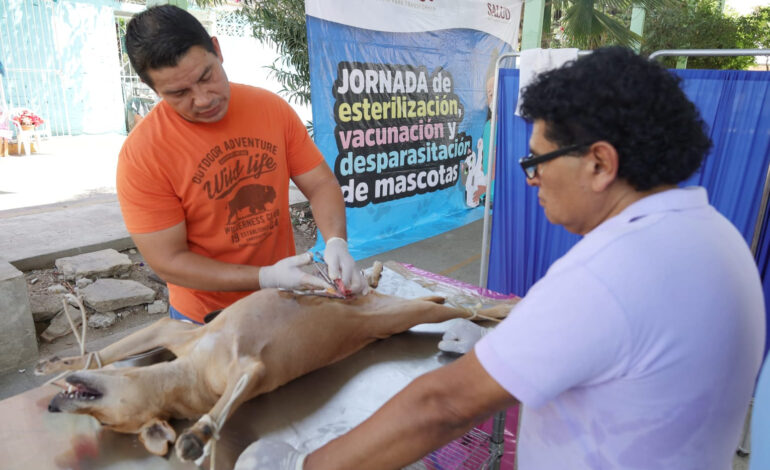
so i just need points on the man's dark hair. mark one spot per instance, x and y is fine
(159, 36)
(636, 105)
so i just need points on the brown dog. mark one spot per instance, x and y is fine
(258, 344)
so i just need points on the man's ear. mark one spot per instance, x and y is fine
(217, 49)
(156, 435)
(604, 160)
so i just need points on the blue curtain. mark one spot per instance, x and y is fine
(523, 242)
(736, 108)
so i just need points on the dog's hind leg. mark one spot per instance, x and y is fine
(166, 332)
(397, 315)
(241, 383)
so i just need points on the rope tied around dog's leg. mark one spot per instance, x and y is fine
(206, 419)
(475, 315)
(208, 448)
(80, 338)
(91, 356)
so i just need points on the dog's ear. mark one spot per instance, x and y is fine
(156, 435)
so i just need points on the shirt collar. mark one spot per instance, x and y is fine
(678, 199)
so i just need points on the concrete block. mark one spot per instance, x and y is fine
(60, 326)
(106, 295)
(103, 263)
(102, 320)
(156, 307)
(44, 307)
(18, 345)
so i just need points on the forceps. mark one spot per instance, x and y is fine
(323, 271)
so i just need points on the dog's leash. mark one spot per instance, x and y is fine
(206, 419)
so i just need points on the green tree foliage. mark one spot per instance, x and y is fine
(755, 30)
(695, 24)
(282, 23)
(588, 24)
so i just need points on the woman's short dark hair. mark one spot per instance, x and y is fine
(159, 36)
(638, 106)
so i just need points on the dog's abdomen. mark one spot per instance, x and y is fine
(295, 334)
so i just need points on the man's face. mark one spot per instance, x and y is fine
(563, 185)
(197, 87)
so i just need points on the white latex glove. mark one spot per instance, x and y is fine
(270, 454)
(286, 274)
(343, 266)
(461, 335)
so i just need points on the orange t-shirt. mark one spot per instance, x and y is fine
(229, 181)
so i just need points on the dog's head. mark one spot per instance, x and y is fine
(119, 402)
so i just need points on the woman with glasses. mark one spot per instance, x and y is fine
(639, 347)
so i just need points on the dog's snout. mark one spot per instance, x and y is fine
(53, 407)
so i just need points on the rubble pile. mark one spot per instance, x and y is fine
(110, 285)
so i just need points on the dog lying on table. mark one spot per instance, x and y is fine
(253, 347)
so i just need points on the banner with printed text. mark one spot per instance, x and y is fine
(401, 93)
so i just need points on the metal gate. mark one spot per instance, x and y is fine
(138, 98)
(33, 71)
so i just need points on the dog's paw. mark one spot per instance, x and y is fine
(189, 447)
(156, 436)
(56, 364)
(48, 366)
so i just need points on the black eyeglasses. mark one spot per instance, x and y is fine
(530, 162)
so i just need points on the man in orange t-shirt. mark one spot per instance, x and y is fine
(203, 180)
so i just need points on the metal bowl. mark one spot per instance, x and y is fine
(146, 358)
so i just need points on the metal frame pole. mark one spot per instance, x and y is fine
(492, 159)
(707, 52)
(492, 163)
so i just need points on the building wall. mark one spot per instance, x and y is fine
(87, 45)
(61, 59)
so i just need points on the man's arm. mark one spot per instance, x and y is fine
(434, 409)
(166, 251)
(320, 187)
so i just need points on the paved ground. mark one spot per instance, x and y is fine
(67, 170)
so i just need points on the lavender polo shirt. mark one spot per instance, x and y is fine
(639, 348)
